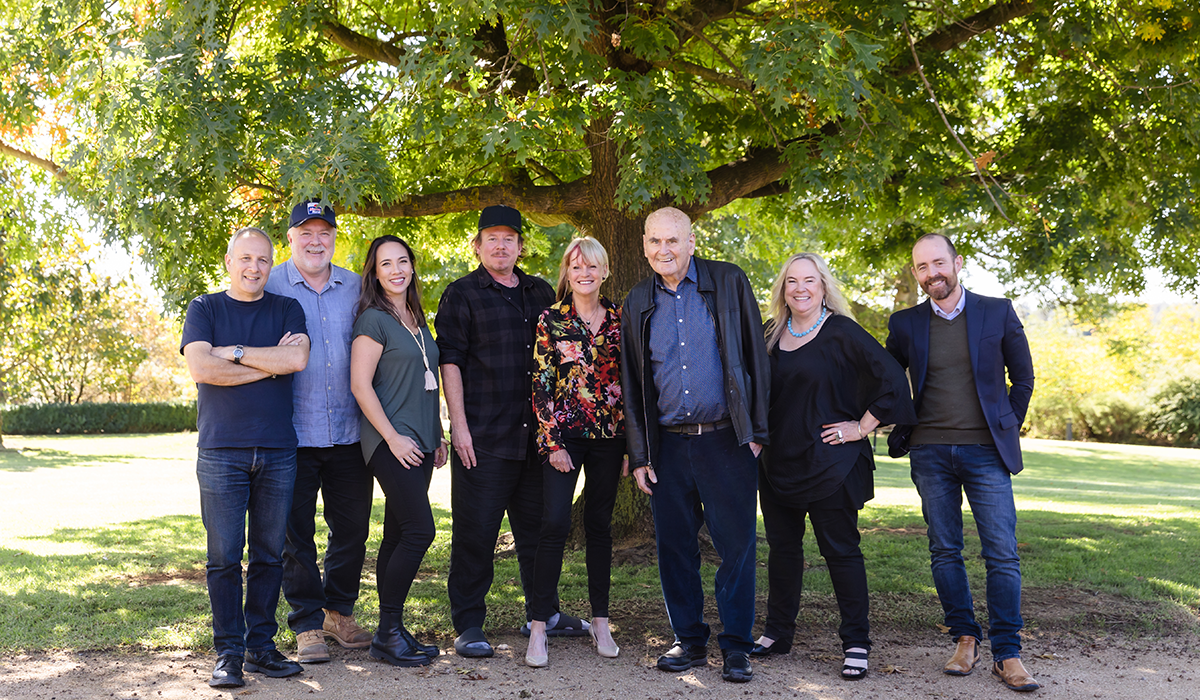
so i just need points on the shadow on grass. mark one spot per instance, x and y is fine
(141, 583)
(29, 460)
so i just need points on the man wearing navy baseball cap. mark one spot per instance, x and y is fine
(329, 458)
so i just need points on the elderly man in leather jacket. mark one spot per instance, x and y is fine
(695, 379)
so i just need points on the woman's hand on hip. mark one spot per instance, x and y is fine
(405, 450)
(844, 431)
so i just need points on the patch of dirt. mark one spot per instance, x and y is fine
(166, 578)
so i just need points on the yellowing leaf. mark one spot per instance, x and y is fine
(1151, 31)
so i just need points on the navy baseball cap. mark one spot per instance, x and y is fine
(500, 215)
(312, 209)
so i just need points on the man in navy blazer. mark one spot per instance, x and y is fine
(957, 348)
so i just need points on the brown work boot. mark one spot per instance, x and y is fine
(966, 655)
(1012, 673)
(310, 647)
(346, 631)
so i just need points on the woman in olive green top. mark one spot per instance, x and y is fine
(393, 374)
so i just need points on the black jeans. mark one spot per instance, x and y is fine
(342, 477)
(408, 527)
(479, 497)
(602, 460)
(835, 524)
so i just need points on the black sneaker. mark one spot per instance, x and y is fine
(228, 672)
(682, 656)
(736, 668)
(271, 663)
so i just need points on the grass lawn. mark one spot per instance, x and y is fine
(101, 545)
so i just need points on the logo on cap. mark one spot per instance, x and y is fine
(314, 209)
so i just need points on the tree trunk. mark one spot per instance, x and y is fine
(621, 235)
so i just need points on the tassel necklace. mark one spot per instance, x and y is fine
(419, 337)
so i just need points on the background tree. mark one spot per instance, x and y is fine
(1061, 143)
(1054, 138)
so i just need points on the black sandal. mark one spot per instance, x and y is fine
(854, 673)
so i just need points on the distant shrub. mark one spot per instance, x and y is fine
(1112, 418)
(1176, 416)
(81, 418)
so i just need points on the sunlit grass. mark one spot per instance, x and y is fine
(1111, 519)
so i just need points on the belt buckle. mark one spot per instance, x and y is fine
(699, 429)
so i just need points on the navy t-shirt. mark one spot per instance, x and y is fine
(258, 414)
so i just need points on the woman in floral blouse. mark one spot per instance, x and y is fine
(577, 400)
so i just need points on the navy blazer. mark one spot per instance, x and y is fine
(996, 340)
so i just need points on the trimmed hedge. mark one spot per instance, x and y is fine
(81, 418)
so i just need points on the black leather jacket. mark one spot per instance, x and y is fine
(726, 291)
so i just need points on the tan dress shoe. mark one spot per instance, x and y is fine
(1012, 673)
(310, 647)
(966, 655)
(345, 630)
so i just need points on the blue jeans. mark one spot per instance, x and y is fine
(942, 473)
(236, 482)
(707, 479)
(347, 489)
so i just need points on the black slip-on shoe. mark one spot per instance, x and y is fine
(473, 644)
(228, 672)
(272, 663)
(682, 656)
(759, 651)
(736, 668)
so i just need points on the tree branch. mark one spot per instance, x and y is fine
(933, 97)
(555, 199)
(952, 35)
(712, 76)
(491, 46)
(361, 44)
(48, 165)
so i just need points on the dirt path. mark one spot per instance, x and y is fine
(902, 666)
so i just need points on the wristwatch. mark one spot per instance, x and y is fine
(237, 355)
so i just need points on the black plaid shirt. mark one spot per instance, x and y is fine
(490, 339)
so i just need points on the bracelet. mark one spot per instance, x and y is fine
(858, 427)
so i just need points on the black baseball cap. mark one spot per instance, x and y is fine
(500, 215)
(311, 209)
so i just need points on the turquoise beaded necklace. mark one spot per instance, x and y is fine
(824, 310)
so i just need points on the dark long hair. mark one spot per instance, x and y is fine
(372, 294)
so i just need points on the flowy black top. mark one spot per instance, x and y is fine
(836, 376)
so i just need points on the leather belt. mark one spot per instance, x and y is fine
(693, 429)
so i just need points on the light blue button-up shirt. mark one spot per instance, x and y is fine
(326, 413)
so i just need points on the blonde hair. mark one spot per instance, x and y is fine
(591, 251)
(779, 311)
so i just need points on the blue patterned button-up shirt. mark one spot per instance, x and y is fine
(326, 413)
(684, 355)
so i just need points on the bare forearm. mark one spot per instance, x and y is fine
(372, 410)
(281, 359)
(452, 387)
(209, 369)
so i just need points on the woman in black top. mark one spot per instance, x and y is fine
(831, 385)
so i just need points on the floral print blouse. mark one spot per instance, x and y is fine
(577, 384)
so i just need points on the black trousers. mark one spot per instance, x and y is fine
(479, 498)
(602, 460)
(408, 527)
(835, 525)
(345, 484)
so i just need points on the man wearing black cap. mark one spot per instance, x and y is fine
(485, 326)
(329, 458)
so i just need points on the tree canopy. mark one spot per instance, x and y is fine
(1055, 137)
